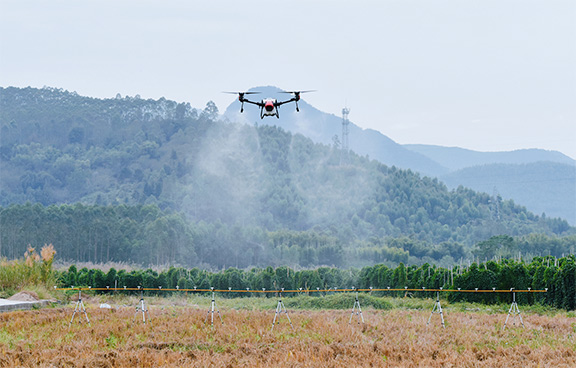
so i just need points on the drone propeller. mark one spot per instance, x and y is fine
(297, 96)
(242, 93)
(298, 92)
(241, 97)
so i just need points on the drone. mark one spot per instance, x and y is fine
(269, 106)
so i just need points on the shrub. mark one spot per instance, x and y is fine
(33, 270)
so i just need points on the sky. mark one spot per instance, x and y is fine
(487, 75)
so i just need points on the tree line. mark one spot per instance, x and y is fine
(557, 276)
(146, 235)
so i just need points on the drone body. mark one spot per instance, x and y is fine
(269, 106)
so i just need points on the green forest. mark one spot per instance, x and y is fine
(155, 182)
(556, 276)
(146, 235)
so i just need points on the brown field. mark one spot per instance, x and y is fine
(178, 337)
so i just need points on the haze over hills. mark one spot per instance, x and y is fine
(156, 181)
(322, 127)
(455, 158)
(544, 181)
(553, 195)
(549, 187)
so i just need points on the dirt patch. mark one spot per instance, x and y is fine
(25, 296)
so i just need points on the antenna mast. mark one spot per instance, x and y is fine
(345, 153)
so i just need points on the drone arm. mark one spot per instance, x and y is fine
(280, 103)
(252, 102)
(293, 99)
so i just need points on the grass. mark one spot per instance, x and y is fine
(338, 301)
(393, 336)
(32, 273)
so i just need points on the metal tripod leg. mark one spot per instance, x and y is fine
(280, 308)
(141, 308)
(515, 311)
(437, 309)
(211, 312)
(357, 312)
(80, 308)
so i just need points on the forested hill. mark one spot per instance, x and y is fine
(327, 128)
(452, 165)
(237, 187)
(543, 181)
(550, 186)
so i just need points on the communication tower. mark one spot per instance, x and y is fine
(345, 153)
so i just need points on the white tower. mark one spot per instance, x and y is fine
(344, 155)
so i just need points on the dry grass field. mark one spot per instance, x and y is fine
(178, 337)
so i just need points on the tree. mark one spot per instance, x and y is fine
(76, 135)
(501, 245)
(400, 276)
(210, 112)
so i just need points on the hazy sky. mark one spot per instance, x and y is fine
(481, 74)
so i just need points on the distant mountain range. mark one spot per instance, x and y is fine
(455, 158)
(543, 181)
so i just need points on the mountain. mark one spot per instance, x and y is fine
(156, 181)
(544, 181)
(322, 127)
(434, 161)
(455, 158)
(549, 187)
